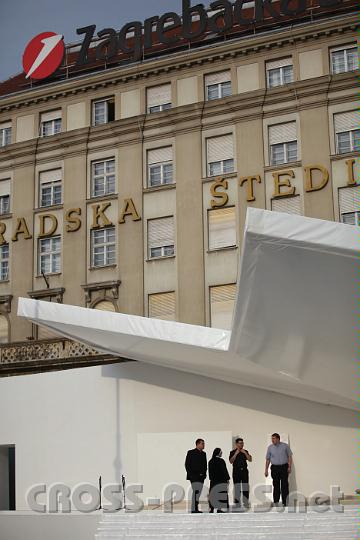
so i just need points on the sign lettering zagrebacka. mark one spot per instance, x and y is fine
(169, 29)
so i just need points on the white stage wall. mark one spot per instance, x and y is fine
(72, 426)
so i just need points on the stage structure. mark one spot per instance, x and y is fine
(294, 323)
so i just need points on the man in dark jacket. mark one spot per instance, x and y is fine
(196, 467)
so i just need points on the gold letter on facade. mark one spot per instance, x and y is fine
(309, 181)
(283, 183)
(74, 222)
(21, 228)
(350, 168)
(2, 232)
(250, 187)
(223, 196)
(54, 225)
(129, 210)
(99, 213)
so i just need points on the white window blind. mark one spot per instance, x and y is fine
(105, 305)
(160, 155)
(51, 176)
(282, 62)
(222, 300)
(349, 199)
(222, 228)
(161, 232)
(347, 121)
(288, 205)
(5, 187)
(281, 133)
(162, 306)
(5, 125)
(220, 148)
(52, 115)
(4, 329)
(159, 95)
(217, 78)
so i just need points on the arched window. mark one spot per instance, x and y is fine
(105, 305)
(4, 329)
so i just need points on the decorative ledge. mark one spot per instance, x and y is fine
(91, 288)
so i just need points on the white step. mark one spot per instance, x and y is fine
(274, 525)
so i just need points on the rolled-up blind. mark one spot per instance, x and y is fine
(161, 232)
(222, 300)
(54, 175)
(159, 95)
(52, 115)
(162, 306)
(220, 148)
(347, 121)
(222, 228)
(4, 329)
(217, 78)
(5, 187)
(5, 125)
(349, 199)
(160, 155)
(288, 205)
(281, 133)
(281, 62)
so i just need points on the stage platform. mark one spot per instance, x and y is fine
(276, 524)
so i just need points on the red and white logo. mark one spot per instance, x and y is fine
(43, 55)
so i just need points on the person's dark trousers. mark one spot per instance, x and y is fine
(241, 485)
(221, 497)
(197, 488)
(280, 476)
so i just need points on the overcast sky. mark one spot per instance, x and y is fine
(21, 20)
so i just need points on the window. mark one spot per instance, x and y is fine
(279, 72)
(218, 85)
(50, 255)
(161, 237)
(220, 155)
(160, 166)
(347, 132)
(162, 306)
(50, 123)
(222, 299)
(222, 228)
(5, 196)
(5, 134)
(283, 143)
(50, 192)
(288, 205)
(4, 262)
(103, 111)
(344, 59)
(349, 205)
(103, 251)
(159, 98)
(103, 177)
(4, 329)
(105, 305)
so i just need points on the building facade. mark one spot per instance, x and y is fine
(126, 189)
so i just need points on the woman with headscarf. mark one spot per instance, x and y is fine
(219, 483)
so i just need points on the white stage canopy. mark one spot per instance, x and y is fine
(294, 328)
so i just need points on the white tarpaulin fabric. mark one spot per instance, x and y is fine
(294, 324)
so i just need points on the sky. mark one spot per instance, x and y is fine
(21, 20)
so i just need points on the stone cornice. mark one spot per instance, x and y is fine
(202, 116)
(258, 43)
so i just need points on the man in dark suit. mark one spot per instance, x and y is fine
(196, 467)
(238, 459)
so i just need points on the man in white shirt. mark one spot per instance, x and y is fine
(279, 455)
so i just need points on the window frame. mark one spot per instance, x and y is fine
(210, 175)
(53, 124)
(220, 90)
(342, 49)
(105, 177)
(162, 166)
(2, 197)
(52, 253)
(95, 102)
(285, 153)
(105, 245)
(162, 248)
(281, 70)
(356, 215)
(351, 132)
(5, 277)
(5, 133)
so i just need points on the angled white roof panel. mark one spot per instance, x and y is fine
(294, 325)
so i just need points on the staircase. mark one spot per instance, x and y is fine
(273, 525)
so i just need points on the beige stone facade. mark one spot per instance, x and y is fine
(187, 275)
